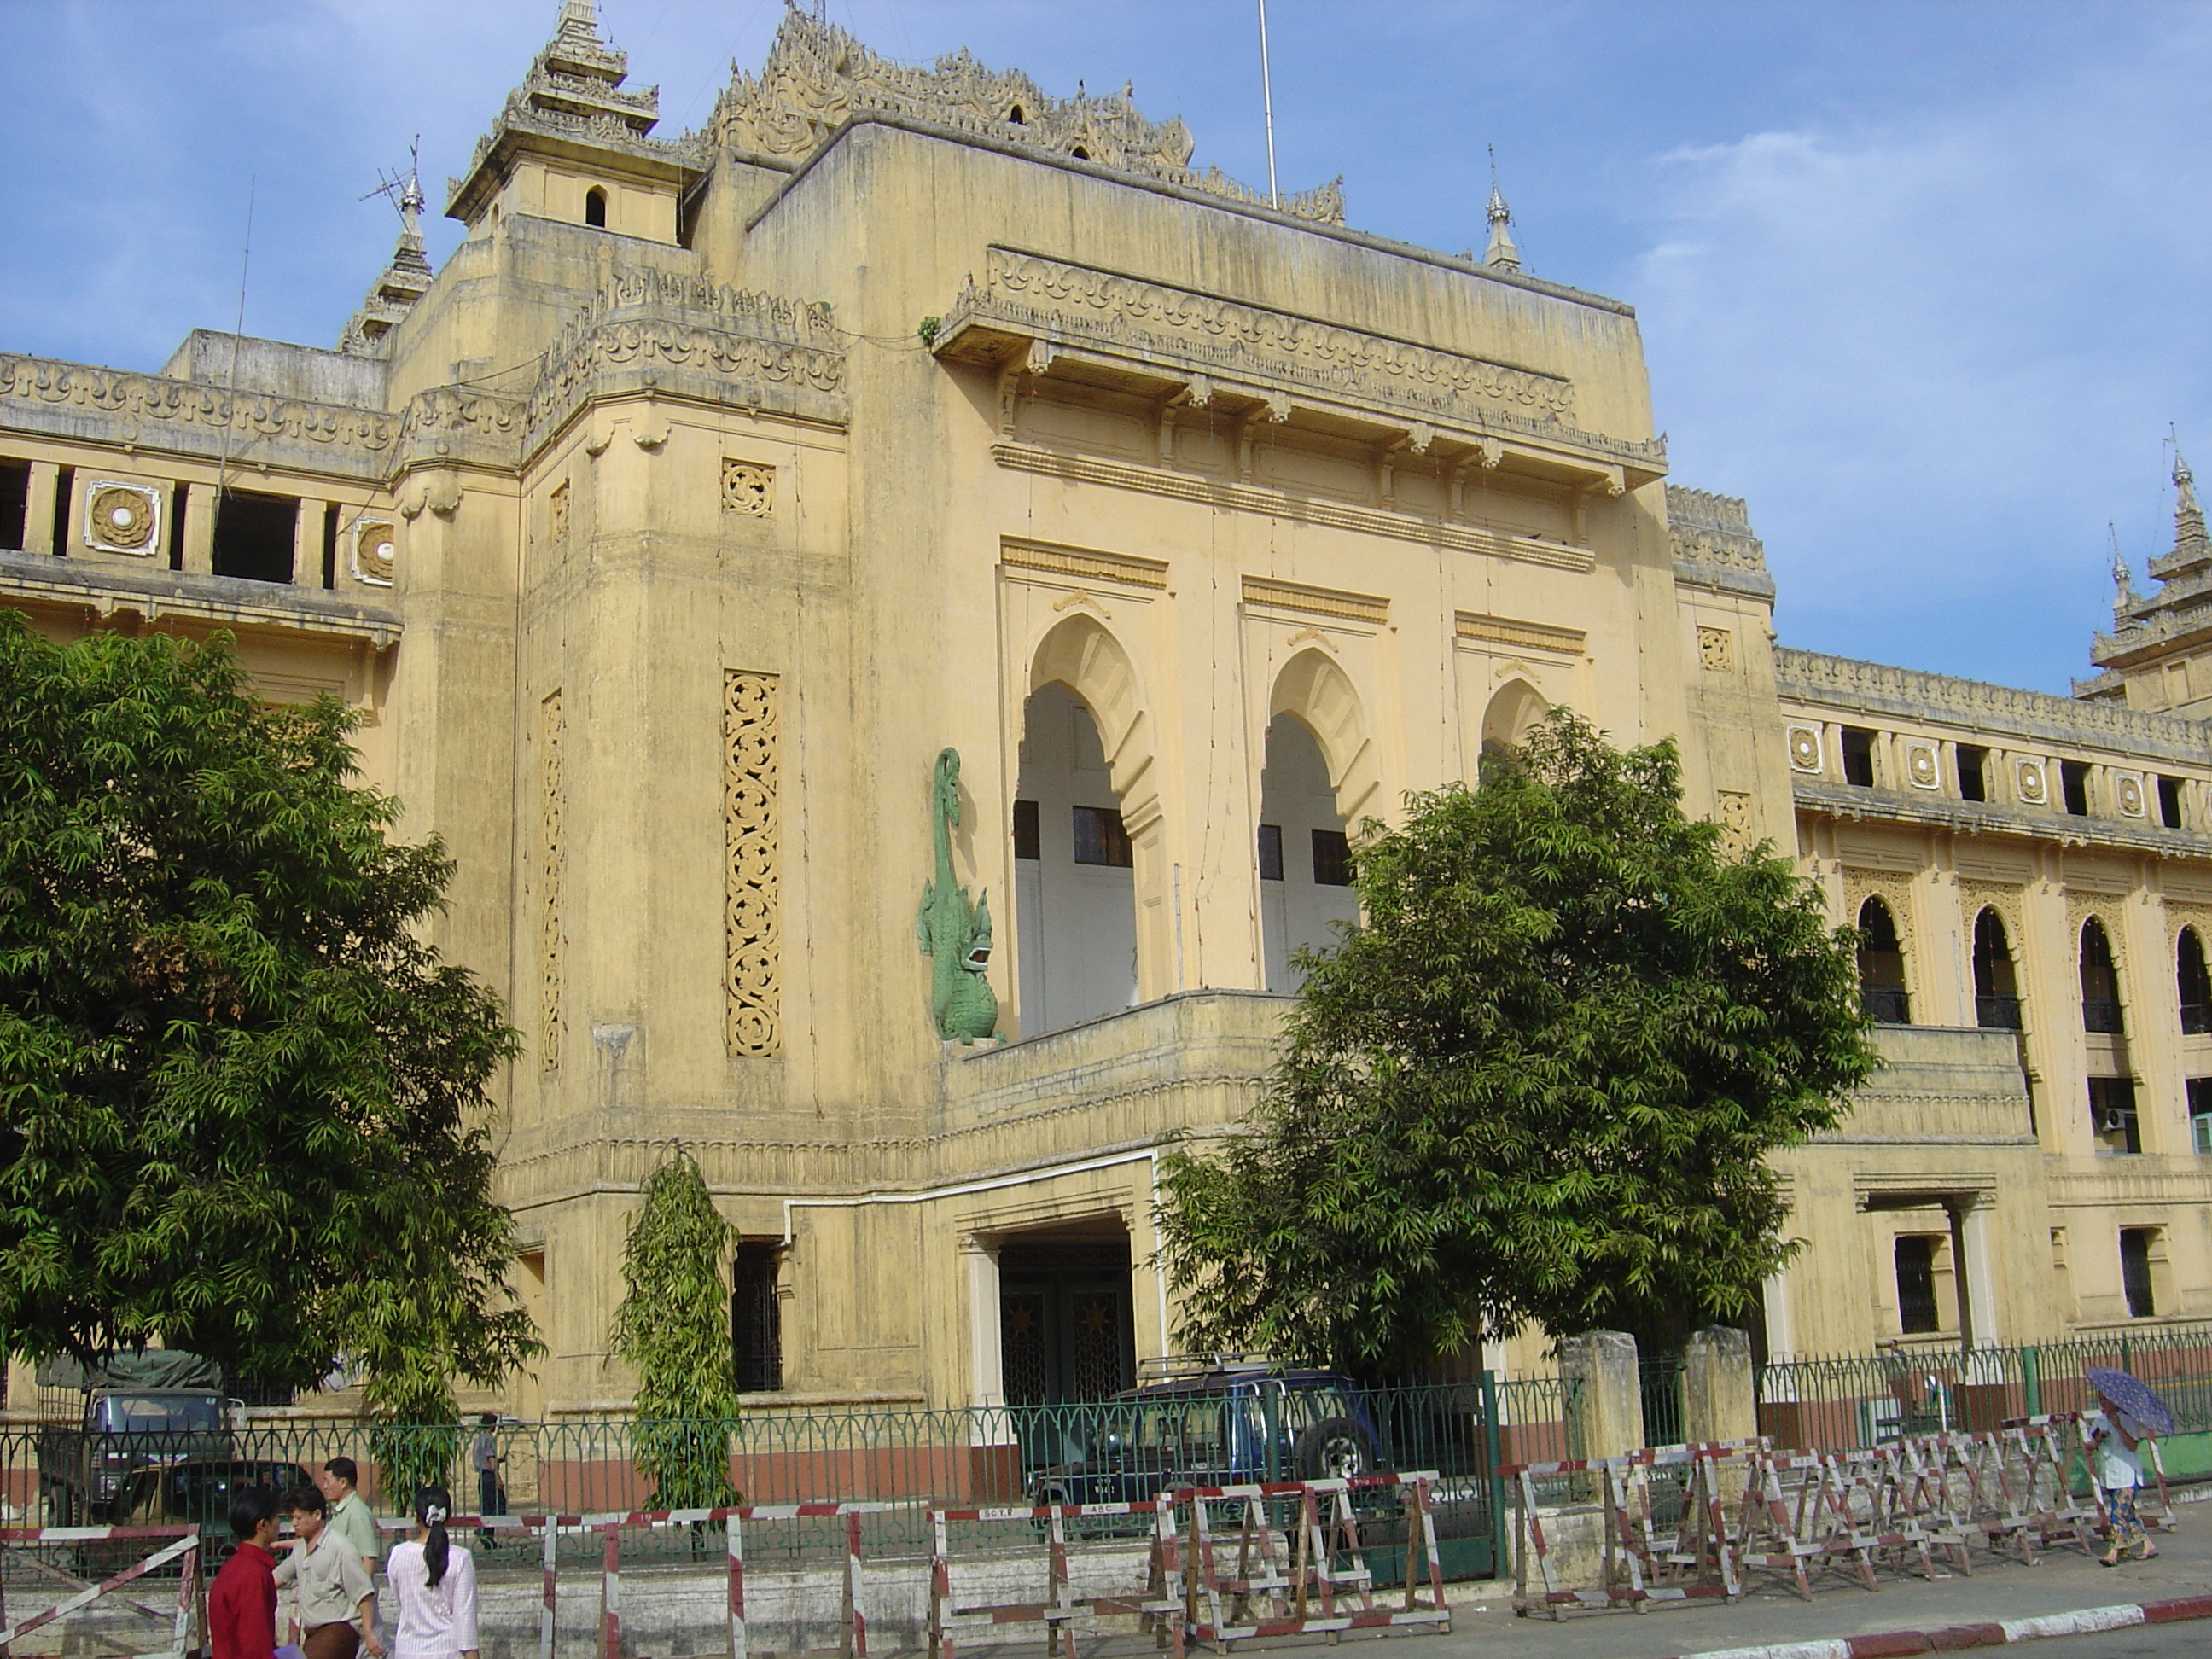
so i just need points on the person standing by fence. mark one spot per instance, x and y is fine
(436, 1585)
(331, 1589)
(2114, 1436)
(349, 1516)
(484, 1459)
(241, 1612)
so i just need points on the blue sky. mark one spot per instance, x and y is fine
(1925, 282)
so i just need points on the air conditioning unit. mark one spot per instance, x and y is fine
(2111, 1120)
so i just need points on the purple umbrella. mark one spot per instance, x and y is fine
(2133, 1396)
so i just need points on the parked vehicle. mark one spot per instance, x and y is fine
(139, 1412)
(1217, 1424)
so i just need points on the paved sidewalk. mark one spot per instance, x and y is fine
(2063, 1581)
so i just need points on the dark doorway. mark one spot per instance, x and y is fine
(757, 1317)
(253, 536)
(1065, 1329)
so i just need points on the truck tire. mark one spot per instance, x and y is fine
(1333, 1448)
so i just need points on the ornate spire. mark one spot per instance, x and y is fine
(405, 280)
(1501, 252)
(2188, 517)
(2124, 601)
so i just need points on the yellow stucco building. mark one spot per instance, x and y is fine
(714, 486)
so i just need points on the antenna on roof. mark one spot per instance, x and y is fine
(237, 340)
(1268, 108)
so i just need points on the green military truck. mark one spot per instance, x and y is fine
(102, 1428)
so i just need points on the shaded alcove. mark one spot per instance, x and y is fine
(1305, 872)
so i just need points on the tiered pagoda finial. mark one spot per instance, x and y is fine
(571, 99)
(2174, 621)
(1501, 252)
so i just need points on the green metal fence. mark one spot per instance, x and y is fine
(1865, 1399)
(1097, 1451)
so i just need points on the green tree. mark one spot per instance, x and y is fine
(1538, 1082)
(674, 1327)
(242, 1103)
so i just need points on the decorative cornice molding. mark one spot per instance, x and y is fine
(1525, 635)
(1084, 563)
(1712, 536)
(1299, 509)
(648, 331)
(111, 406)
(1316, 601)
(104, 588)
(1846, 803)
(817, 77)
(1848, 684)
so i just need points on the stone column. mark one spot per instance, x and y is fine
(1600, 1367)
(39, 508)
(199, 528)
(308, 545)
(1719, 1399)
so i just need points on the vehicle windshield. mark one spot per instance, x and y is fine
(125, 1413)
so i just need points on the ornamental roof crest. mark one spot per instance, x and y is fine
(816, 76)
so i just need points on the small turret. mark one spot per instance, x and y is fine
(1501, 252)
(404, 280)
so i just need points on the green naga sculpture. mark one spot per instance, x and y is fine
(956, 936)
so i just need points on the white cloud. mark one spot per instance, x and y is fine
(1938, 351)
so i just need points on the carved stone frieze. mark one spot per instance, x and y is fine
(1266, 352)
(818, 76)
(1975, 896)
(752, 922)
(374, 553)
(41, 395)
(1845, 683)
(2180, 916)
(552, 738)
(648, 331)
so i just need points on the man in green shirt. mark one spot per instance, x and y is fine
(349, 1514)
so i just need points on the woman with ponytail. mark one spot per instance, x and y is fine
(436, 1585)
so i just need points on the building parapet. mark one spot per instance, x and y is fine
(1972, 817)
(1028, 310)
(650, 332)
(1848, 685)
(1713, 542)
(817, 77)
(1939, 1085)
(80, 403)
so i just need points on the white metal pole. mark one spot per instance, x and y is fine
(1267, 105)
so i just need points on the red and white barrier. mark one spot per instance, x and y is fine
(184, 1545)
(1061, 1612)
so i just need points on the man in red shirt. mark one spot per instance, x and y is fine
(242, 1602)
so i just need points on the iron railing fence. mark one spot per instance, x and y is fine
(1865, 1399)
(910, 1459)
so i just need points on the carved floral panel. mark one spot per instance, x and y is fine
(752, 909)
(122, 518)
(375, 555)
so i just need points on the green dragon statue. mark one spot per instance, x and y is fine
(956, 936)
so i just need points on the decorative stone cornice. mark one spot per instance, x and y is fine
(1713, 542)
(1971, 818)
(189, 417)
(1028, 302)
(103, 589)
(684, 337)
(817, 77)
(1846, 683)
(450, 425)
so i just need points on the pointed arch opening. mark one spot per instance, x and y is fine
(2194, 983)
(1085, 834)
(1516, 709)
(1305, 864)
(1882, 989)
(2101, 982)
(1996, 985)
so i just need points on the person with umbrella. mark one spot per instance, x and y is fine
(2129, 1413)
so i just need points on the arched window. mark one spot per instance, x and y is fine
(2196, 985)
(1881, 966)
(1996, 990)
(2101, 982)
(595, 208)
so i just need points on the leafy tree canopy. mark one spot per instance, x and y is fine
(1537, 1082)
(674, 1327)
(241, 1102)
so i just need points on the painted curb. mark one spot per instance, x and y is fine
(1953, 1638)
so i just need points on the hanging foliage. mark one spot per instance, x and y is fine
(674, 1327)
